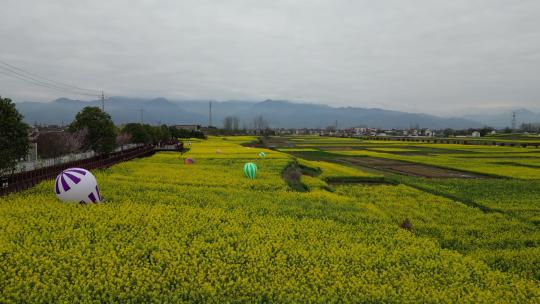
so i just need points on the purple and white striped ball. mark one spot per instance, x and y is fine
(77, 185)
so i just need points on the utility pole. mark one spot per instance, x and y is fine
(142, 121)
(513, 121)
(102, 101)
(210, 115)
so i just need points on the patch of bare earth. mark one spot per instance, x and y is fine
(402, 167)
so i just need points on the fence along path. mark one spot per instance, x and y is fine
(42, 163)
(456, 140)
(24, 180)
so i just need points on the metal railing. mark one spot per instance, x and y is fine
(456, 140)
(26, 166)
(26, 179)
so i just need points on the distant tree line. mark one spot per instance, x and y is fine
(230, 123)
(87, 133)
(147, 134)
(530, 127)
(14, 140)
(525, 127)
(231, 126)
(92, 129)
(453, 132)
(182, 133)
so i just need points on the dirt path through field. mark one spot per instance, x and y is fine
(402, 167)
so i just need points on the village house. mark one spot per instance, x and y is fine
(428, 132)
(188, 127)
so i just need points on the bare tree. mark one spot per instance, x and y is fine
(75, 140)
(55, 144)
(259, 123)
(231, 123)
(228, 123)
(123, 139)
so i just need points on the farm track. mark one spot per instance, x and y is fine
(387, 167)
(407, 168)
(382, 166)
(469, 203)
(398, 166)
(392, 165)
(393, 169)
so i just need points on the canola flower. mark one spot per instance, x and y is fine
(204, 233)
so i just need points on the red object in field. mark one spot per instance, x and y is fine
(188, 161)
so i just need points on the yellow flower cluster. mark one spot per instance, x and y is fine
(170, 232)
(501, 241)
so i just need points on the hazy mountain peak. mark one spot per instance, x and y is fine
(275, 102)
(160, 101)
(65, 100)
(279, 113)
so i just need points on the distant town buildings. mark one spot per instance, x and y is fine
(188, 127)
(356, 132)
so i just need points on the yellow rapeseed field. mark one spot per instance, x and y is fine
(170, 232)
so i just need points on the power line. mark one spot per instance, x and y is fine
(44, 78)
(37, 83)
(13, 71)
(40, 83)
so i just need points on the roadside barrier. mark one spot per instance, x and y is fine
(24, 180)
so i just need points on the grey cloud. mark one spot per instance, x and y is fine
(419, 55)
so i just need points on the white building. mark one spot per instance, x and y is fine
(475, 134)
(360, 130)
(428, 132)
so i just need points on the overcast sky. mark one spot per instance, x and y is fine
(423, 55)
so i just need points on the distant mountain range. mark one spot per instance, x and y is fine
(504, 118)
(278, 113)
(122, 110)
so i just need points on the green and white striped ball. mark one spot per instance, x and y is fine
(262, 154)
(250, 170)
